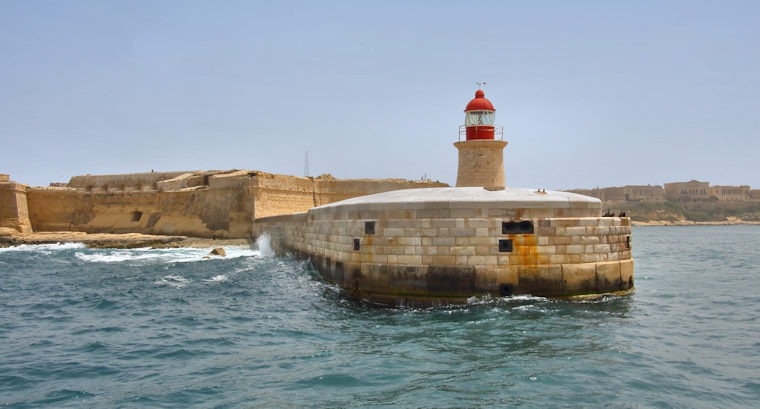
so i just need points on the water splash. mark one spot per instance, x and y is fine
(264, 245)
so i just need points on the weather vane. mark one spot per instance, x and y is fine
(480, 84)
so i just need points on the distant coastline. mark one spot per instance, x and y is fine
(692, 223)
(686, 212)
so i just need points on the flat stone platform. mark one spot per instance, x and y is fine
(462, 197)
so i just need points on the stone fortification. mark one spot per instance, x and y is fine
(200, 213)
(209, 204)
(132, 181)
(445, 245)
(14, 214)
(281, 194)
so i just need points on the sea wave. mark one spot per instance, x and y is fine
(173, 280)
(217, 278)
(41, 247)
(161, 256)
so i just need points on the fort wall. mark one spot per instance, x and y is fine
(135, 181)
(220, 209)
(199, 204)
(14, 213)
(281, 194)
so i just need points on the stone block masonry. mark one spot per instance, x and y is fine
(364, 245)
(210, 204)
(14, 212)
(481, 163)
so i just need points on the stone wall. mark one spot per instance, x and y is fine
(200, 204)
(220, 212)
(281, 194)
(14, 214)
(331, 190)
(386, 254)
(136, 181)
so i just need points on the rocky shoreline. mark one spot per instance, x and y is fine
(125, 240)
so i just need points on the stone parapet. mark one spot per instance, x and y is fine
(141, 181)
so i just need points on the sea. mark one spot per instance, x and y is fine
(168, 328)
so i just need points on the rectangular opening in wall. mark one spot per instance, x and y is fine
(357, 245)
(136, 216)
(505, 246)
(512, 227)
(369, 227)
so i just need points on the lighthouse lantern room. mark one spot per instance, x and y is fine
(479, 117)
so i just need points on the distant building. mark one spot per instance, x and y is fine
(692, 190)
(625, 193)
(604, 194)
(687, 190)
(729, 193)
(644, 193)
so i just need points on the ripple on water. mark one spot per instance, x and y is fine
(251, 331)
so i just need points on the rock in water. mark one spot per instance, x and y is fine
(218, 252)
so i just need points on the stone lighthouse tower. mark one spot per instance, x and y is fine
(481, 156)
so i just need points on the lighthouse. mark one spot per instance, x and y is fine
(435, 246)
(481, 155)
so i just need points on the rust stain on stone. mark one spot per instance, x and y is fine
(525, 250)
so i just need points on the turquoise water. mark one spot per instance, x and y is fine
(106, 328)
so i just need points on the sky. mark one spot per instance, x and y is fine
(589, 93)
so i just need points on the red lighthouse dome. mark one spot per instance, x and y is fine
(479, 117)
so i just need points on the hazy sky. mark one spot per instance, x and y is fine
(590, 93)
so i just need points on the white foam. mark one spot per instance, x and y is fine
(143, 256)
(42, 247)
(216, 279)
(161, 256)
(240, 251)
(173, 280)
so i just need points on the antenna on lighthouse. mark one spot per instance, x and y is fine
(306, 165)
